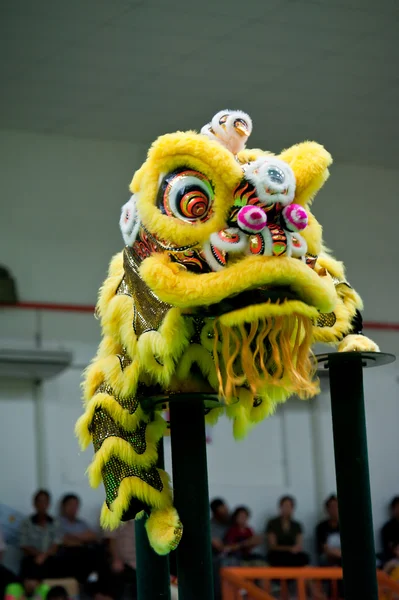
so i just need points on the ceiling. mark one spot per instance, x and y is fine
(133, 69)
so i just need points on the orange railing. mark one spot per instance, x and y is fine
(388, 588)
(256, 583)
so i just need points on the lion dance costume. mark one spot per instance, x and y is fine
(222, 287)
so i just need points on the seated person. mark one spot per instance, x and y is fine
(238, 532)
(328, 539)
(220, 523)
(122, 544)
(75, 531)
(81, 554)
(284, 538)
(390, 532)
(39, 541)
(240, 538)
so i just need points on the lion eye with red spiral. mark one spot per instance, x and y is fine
(187, 195)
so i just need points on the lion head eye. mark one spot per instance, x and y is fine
(273, 179)
(187, 195)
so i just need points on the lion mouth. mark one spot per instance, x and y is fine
(251, 297)
(253, 282)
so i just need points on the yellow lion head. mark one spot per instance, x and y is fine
(226, 235)
(222, 288)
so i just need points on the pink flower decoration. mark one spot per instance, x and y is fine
(251, 219)
(295, 217)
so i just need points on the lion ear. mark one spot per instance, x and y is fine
(310, 162)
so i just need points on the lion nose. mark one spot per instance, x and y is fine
(251, 219)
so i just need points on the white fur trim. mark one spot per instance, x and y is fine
(239, 246)
(297, 252)
(206, 130)
(267, 237)
(129, 221)
(211, 260)
(227, 134)
(268, 190)
(295, 209)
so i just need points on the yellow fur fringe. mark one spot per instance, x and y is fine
(348, 301)
(120, 448)
(357, 343)
(246, 360)
(256, 312)
(133, 487)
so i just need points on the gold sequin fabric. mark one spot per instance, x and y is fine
(178, 533)
(124, 360)
(326, 320)
(103, 427)
(149, 310)
(338, 282)
(311, 260)
(129, 403)
(115, 471)
(123, 289)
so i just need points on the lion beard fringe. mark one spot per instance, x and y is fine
(266, 353)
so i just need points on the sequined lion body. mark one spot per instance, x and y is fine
(222, 287)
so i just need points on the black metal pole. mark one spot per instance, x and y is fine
(190, 482)
(153, 576)
(352, 473)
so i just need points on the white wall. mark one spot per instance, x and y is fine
(60, 208)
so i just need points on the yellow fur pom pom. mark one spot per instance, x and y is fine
(164, 530)
(357, 343)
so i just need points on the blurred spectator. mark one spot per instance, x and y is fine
(390, 532)
(123, 560)
(240, 538)
(328, 540)
(39, 541)
(220, 526)
(81, 553)
(220, 523)
(75, 531)
(284, 537)
(239, 532)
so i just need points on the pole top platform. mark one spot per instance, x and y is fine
(368, 359)
(157, 402)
